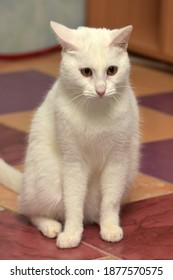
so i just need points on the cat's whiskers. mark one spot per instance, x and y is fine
(81, 102)
(74, 98)
(115, 98)
(89, 94)
(111, 92)
(120, 86)
(83, 99)
(87, 102)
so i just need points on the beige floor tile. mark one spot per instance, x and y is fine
(147, 186)
(48, 64)
(144, 187)
(109, 258)
(147, 80)
(8, 198)
(155, 125)
(20, 121)
(19, 167)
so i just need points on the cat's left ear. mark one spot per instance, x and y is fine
(66, 36)
(120, 37)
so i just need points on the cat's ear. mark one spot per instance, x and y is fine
(120, 37)
(65, 36)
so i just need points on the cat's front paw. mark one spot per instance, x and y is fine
(111, 233)
(68, 239)
(50, 228)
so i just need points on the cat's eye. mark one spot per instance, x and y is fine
(86, 72)
(112, 70)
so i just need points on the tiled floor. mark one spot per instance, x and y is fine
(147, 216)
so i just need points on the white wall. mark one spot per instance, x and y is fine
(24, 24)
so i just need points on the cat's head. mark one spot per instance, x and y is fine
(94, 61)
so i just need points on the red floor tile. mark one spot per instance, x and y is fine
(20, 240)
(148, 231)
(148, 234)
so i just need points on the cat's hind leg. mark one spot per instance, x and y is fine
(48, 227)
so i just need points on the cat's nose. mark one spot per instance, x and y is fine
(100, 88)
(100, 92)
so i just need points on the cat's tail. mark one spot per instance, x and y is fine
(10, 177)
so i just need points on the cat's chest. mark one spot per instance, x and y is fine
(95, 144)
(92, 138)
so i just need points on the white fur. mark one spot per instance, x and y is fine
(10, 176)
(83, 149)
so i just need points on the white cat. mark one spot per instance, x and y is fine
(83, 148)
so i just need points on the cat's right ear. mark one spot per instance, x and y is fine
(65, 36)
(121, 37)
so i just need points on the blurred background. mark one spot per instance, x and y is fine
(24, 25)
(152, 20)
